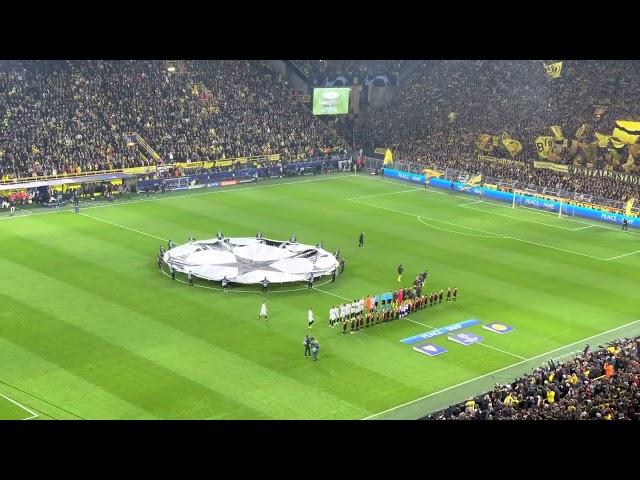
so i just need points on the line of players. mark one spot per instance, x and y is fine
(384, 308)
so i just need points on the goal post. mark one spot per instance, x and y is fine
(541, 202)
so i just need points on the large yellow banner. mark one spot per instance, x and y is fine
(551, 166)
(388, 157)
(139, 170)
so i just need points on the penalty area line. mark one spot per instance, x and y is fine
(18, 404)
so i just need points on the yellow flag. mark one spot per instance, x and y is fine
(432, 173)
(553, 69)
(629, 206)
(557, 132)
(603, 140)
(388, 157)
(543, 146)
(475, 180)
(581, 130)
(484, 142)
(624, 137)
(617, 144)
(514, 147)
(629, 125)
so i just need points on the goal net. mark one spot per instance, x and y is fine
(537, 201)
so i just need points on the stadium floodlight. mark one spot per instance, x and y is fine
(249, 260)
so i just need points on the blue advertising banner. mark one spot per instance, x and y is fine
(498, 328)
(465, 338)
(430, 349)
(440, 331)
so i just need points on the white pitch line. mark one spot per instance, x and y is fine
(503, 351)
(500, 370)
(33, 414)
(497, 204)
(414, 321)
(470, 203)
(624, 255)
(520, 218)
(498, 235)
(460, 233)
(122, 226)
(329, 293)
(383, 194)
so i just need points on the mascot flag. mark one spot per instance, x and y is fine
(629, 206)
(553, 69)
(543, 146)
(388, 157)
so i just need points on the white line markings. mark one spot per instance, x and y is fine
(122, 226)
(624, 255)
(461, 233)
(33, 414)
(500, 370)
(496, 235)
(520, 218)
(499, 350)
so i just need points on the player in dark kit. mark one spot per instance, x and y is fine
(310, 284)
(265, 285)
(625, 224)
(159, 262)
(400, 270)
(344, 325)
(440, 296)
(361, 240)
(225, 283)
(455, 293)
(449, 295)
(343, 262)
(333, 275)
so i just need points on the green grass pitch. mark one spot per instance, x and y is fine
(90, 329)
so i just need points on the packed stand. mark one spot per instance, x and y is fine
(602, 384)
(72, 116)
(444, 106)
(321, 69)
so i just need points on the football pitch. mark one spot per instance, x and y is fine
(91, 329)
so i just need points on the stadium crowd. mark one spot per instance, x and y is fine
(524, 175)
(72, 116)
(443, 107)
(602, 384)
(349, 68)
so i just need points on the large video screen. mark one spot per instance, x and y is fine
(330, 101)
